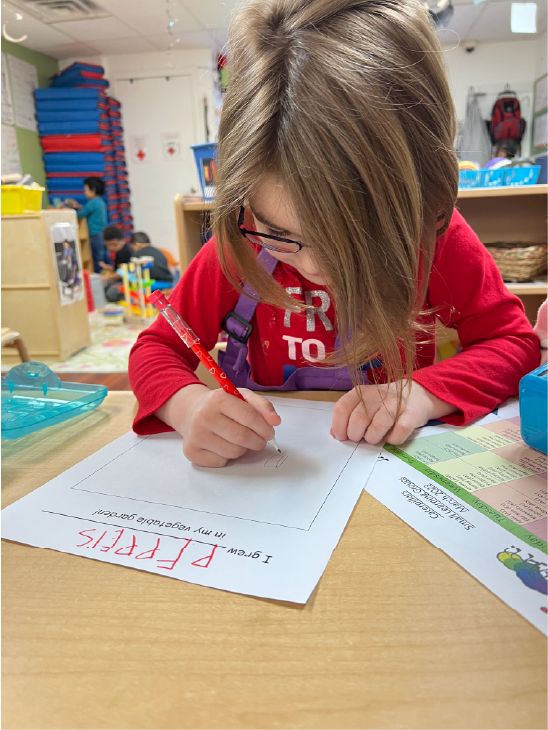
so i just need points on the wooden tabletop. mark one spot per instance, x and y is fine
(396, 635)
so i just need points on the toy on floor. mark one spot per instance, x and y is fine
(137, 286)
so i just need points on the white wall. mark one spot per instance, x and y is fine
(488, 69)
(155, 183)
(541, 53)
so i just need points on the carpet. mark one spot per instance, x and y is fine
(109, 349)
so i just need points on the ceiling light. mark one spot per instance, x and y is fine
(441, 11)
(523, 18)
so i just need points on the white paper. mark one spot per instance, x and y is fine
(139, 148)
(24, 79)
(265, 525)
(487, 533)
(11, 162)
(171, 146)
(8, 116)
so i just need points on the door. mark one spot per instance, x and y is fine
(159, 127)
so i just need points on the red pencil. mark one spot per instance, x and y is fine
(191, 340)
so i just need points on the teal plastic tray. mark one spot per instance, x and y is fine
(33, 397)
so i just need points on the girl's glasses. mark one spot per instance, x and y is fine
(266, 240)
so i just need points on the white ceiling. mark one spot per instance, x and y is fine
(138, 26)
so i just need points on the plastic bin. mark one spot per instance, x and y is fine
(206, 162)
(505, 176)
(19, 199)
(33, 398)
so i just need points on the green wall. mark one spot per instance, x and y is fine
(30, 151)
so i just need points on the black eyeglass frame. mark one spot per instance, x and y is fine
(271, 237)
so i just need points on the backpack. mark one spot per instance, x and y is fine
(507, 127)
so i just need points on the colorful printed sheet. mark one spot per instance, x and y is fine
(480, 494)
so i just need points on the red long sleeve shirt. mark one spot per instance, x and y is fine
(465, 291)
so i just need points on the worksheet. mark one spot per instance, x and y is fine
(264, 525)
(480, 494)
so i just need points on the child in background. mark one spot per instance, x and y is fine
(119, 252)
(172, 263)
(335, 207)
(95, 212)
(141, 246)
(122, 253)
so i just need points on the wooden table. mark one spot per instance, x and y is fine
(396, 635)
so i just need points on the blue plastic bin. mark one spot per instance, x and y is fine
(33, 398)
(505, 176)
(206, 162)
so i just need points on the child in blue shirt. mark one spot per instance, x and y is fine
(95, 211)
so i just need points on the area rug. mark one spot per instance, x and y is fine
(109, 350)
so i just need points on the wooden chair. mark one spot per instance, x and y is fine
(11, 338)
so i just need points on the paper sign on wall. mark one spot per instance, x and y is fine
(8, 116)
(24, 79)
(171, 146)
(11, 162)
(140, 148)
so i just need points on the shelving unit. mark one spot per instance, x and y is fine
(510, 214)
(30, 292)
(496, 214)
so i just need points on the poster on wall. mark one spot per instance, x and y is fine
(11, 163)
(171, 146)
(24, 79)
(8, 116)
(139, 146)
(69, 264)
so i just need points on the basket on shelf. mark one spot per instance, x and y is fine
(519, 261)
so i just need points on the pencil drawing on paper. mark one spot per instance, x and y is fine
(275, 461)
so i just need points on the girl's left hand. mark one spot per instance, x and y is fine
(368, 412)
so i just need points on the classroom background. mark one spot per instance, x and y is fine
(131, 93)
(110, 115)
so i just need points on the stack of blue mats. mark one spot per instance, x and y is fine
(74, 126)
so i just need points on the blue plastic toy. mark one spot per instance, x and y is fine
(33, 397)
(533, 408)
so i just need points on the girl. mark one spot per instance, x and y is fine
(335, 214)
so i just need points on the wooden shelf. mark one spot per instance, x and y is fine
(527, 288)
(503, 191)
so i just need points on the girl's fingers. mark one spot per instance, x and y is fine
(220, 446)
(358, 423)
(202, 457)
(344, 408)
(403, 429)
(243, 412)
(263, 405)
(238, 434)
(380, 425)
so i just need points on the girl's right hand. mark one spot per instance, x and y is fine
(217, 427)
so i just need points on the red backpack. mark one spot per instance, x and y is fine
(507, 126)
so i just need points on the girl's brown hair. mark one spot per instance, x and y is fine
(346, 103)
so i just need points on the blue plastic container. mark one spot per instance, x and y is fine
(206, 162)
(533, 405)
(521, 175)
(505, 176)
(33, 398)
